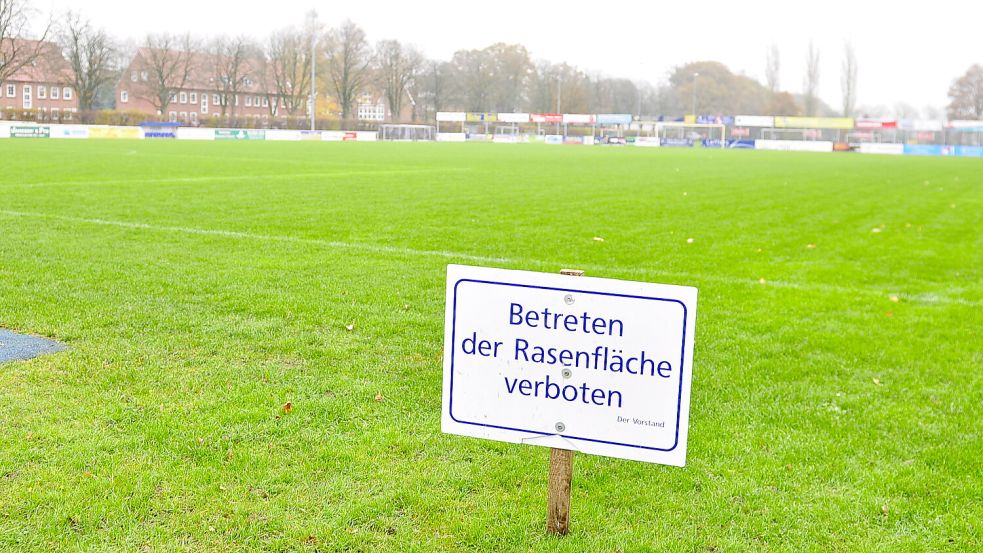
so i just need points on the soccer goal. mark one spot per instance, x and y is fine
(410, 133)
(672, 133)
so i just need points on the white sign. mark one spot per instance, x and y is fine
(593, 365)
(754, 121)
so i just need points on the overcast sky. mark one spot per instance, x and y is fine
(907, 52)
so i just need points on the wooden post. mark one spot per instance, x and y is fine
(561, 477)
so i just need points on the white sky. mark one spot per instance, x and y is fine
(907, 52)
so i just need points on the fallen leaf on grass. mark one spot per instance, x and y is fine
(877, 381)
(885, 509)
(894, 298)
(350, 327)
(811, 246)
(762, 280)
(379, 397)
(287, 407)
(875, 230)
(598, 239)
(689, 240)
(228, 454)
(889, 314)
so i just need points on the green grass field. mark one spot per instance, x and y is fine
(837, 384)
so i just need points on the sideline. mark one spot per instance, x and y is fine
(927, 298)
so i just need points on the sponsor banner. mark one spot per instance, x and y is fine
(881, 148)
(554, 139)
(920, 125)
(479, 137)
(740, 131)
(794, 145)
(115, 132)
(814, 122)
(310, 135)
(926, 150)
(842, 147)
(578, 118)
(876, 124)
(969, 151)
(339, 136)
(366, 136)
(676, 142)
(712, 143)
(186, 133)
(451, 116)
(613, 119)
(546, 117)
(451, 137)
(32, 131)
(240, 134)
(739, 144)
(69, 131)
(505, 139)
(481, 117)
(714, 120)
(573, 140)
(966, 126)
(278, 134)
(648, 141)
(754, 121)
(513, 117)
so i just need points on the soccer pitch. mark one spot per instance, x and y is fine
(256, 330)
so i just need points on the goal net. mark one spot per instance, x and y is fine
(709, 135)
(411, 133)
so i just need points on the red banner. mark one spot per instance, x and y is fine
(546, 117)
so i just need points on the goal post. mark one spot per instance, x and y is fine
(673, 133)
(407, 133)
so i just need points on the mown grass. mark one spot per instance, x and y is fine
(201, 287)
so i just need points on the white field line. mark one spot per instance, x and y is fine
(217, 178)
(452, 255)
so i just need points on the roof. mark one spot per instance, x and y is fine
(203, 72)
(49, 67)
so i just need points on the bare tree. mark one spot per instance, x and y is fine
(772, 68)
(848, 80)
(165, 64)
(348, 57)
(398, 67)
(92, 56)
(288, 69)
(810, 94)
(230, 59)
(15, 24)
(966, 95)
(434, 87)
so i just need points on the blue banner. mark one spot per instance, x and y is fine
(969, 151)
(676, 142)
(613, 119)
(923, 149)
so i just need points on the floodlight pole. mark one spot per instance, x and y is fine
(313, 110)
(559, 95)
(693, 106)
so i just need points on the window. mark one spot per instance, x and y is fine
(194, 97)
(124, 96)
(249, 101)
(184, 116)
(194, 117)
(133, 76)
(204, 103)
(27, 97)
(66, 93)
(54, 113)
(172, 116)
(215, 100)
(256, 101)
(54, 93)
(11, 91)
(266, 102)
(143, 75)
(184, 97)
(43, 92)
(249, 82)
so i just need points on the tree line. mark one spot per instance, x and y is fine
(498, 78)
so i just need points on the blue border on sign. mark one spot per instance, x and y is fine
(682, 356)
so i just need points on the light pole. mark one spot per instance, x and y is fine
(559, 93)
(313, 100)
(693, 105)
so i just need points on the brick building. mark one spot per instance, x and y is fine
(41, 89)
(203, 94)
